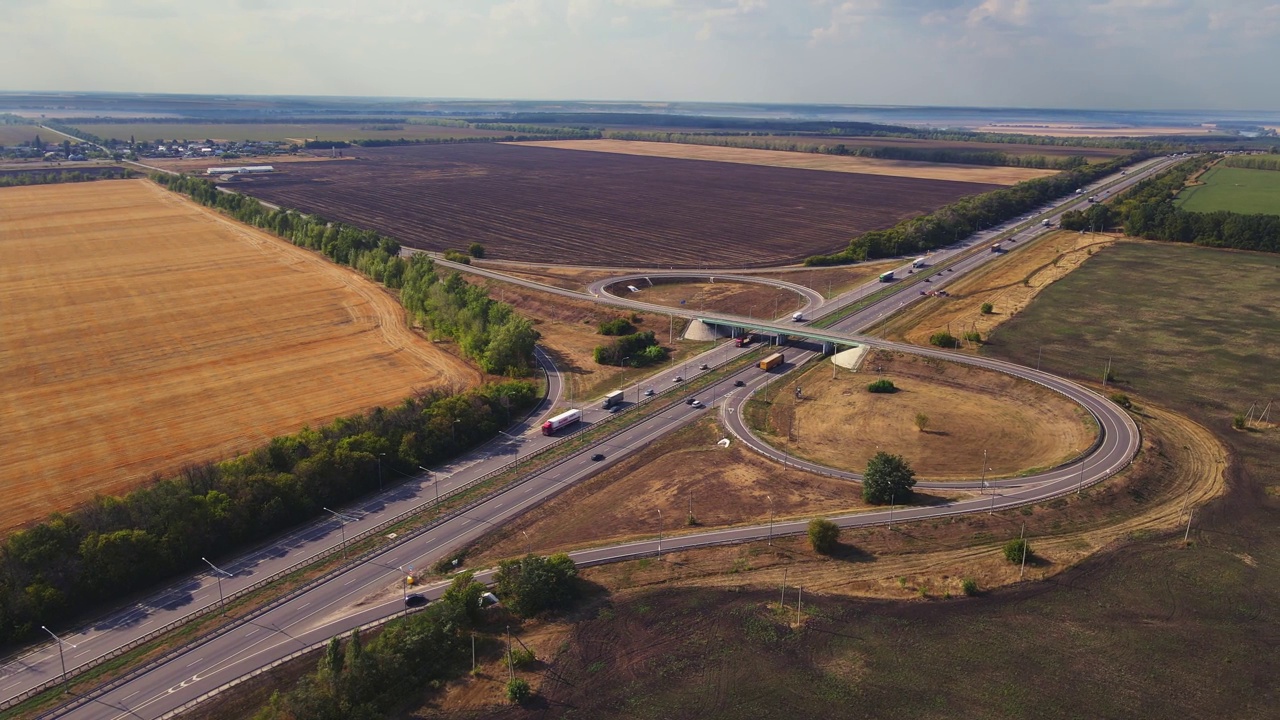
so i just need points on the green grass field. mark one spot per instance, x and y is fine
(278, 131)
(1150, 630)
(1236, 189)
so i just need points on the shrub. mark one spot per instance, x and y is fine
(922, 421)
(457, 256)
(969, 586)
(824, 535)
(518, 690)
(521, 657)
(1238, 421)
(1014, 549)
(988, 308)
(882, 386)
(944, 339)
(973, 336)
(1122, 400)
(447, 564)
(532, 584)
(476, 250)
(617, 326)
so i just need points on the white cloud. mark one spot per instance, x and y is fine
(1005, 12)
(844, 18)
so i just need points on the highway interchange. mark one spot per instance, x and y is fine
(368, 591)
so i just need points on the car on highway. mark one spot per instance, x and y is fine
(597, 457)
(697, 404)
(614, 409)
(415, 600)
(690, 401)
(738, 383)
(648, 393)
(704, 366)
(678, 378)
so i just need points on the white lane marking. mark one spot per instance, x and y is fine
(304, 606)
(252, 632)
(193, 662)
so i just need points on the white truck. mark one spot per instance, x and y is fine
(560, 421)
(613, 398)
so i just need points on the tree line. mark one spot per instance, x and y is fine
(634, 350)
(112, 546)
(967, 215)
(352, 680)
(934, 155)
(489, 332)
(1149, 210)
(1253, 162)
(51, 177)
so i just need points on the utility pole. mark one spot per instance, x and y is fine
(511, 666)
(770, 518)
(782, 598)
(528, 544)
(342, 524)
(219, 572)
(1023, 537)
(1038, 356)
(1186, 537)
(984, 467)
(380, 456)
(659, 532)
(1080, 485)
(65, 688)
(799, 594)
(1106, 374)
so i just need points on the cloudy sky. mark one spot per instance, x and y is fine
(1220, 54)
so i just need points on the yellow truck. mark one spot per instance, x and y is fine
(772, 361)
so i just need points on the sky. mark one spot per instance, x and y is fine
(1133, 54)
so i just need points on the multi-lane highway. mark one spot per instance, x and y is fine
(330, 608)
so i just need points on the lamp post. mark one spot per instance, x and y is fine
(528, 544)
(218, 573)
(659, 532)
(770, 497)
(342, 524)
(61, 659)
(435, 480)
(380, 456)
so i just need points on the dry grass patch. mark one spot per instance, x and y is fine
(995, 175)
(749, 299)
(144, 332)
(1009, 284)
(1019, 424)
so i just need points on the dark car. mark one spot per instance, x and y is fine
(738, 383)
(597, 457)
(415, 600)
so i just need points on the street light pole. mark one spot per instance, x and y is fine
(528, 544)
(218, 573)
(61, 659)
(380, 456)
(770, 518)
(659, 532)
(435, 480)
(342, 524)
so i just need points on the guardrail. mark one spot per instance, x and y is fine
(363, 535)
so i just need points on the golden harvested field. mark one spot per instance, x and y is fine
(805, 161)
(141, 332)
(838, 423)
(1009, 284)
(14, 134)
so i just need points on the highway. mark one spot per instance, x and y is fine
(326, 609)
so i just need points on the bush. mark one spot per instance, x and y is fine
(1014, 549)
(457, 256)
(532, 584)
(476, 250)
(944, 339)
(969, 586)
(824, 535)
(882, 386)
(518, 690)
(988, 308)
(522, 657)
(1122, 400)
(617, 326)
(973, 336)
(888, 479)
(922, 421)
(636, 350)
(1238, 422)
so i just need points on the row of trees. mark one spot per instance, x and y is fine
(1148, 210)
(111, 546)
(967, 215)
(355, 681)
(798, 143)
(50, 177)
(634, 350)
(487, 331)
(1253, 162)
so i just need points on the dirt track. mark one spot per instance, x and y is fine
(144, 332)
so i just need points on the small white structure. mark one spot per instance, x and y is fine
(240, 170)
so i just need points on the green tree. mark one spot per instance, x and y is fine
(944, 339)
(476, 250)
(921, 421)
(824, 535)
(987, 308)
(888, 478)
(533, 584)
(463, 594)
(518, 690)
(1015, 550)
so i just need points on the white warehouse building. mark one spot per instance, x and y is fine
(241, 170)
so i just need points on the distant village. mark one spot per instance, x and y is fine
(67, 150)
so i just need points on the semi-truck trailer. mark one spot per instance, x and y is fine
(995, 248)
(744, 340)
(772, 361)
(886, 276)
(613, 398)
(560, 421)
(797, 317)
(918, 263)
(1048, 223)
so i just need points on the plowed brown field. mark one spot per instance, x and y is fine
(141, 332)
(543, 205)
